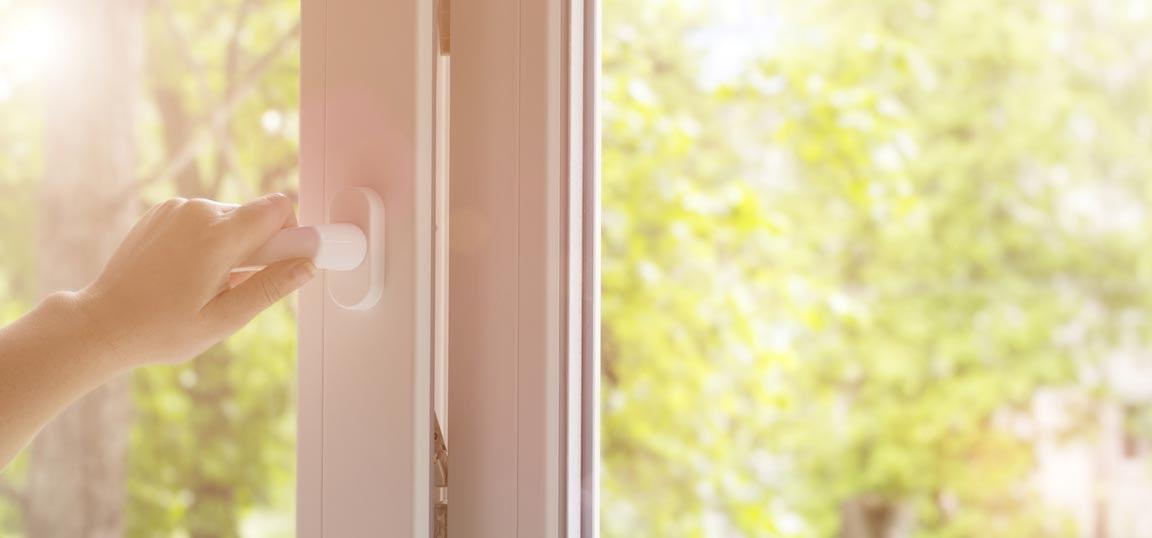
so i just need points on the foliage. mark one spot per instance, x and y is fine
(215, 438)
(212, 446)
(20, 166)
(837, 282)
(833, 284)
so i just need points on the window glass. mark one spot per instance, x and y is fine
(204, 100)
(877, 268)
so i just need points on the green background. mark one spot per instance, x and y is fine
(837, 277)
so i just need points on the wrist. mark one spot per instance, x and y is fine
(92, 331)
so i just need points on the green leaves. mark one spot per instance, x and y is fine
(213, 447)
(842, 278)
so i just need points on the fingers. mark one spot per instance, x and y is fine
(237, 278)
(206, 208)
(234, 279)
(252, 224)
(157, 211)
(291, 222)
(236, 307)
(234, 231)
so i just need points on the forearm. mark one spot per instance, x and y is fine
(49, 358)
(166, 295)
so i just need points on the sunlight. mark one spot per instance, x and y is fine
(34, 46)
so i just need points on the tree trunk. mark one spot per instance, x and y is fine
(76, 481)
(868, 516)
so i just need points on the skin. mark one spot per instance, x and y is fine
(166, 295)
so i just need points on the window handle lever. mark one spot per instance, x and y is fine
(355, 247)
(336, 247)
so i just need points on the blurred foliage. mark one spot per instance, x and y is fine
(20, 166)
(213, 443)
(214, 439)
(835, 282)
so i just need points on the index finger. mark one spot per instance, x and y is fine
(252, 224)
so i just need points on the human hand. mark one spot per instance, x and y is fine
(167, 293)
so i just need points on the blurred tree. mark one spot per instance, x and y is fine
(687, 377)
(834, 284)
(222, 77)
(77, 463)
(21, 166)
(213, 113)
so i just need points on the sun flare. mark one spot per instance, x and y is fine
(32, 46)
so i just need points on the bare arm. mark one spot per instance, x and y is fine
(165, 296)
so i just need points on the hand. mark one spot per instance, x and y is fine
(167, 295)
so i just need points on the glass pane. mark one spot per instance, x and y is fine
(877, 268)
(194, 98)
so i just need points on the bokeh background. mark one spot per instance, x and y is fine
(877, 268)
(107, 106)
(872, 268)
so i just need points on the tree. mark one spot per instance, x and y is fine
(834, 285)
(76, 478)
(213, 113)
(223, 80)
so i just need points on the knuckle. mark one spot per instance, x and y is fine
(170, 204)
(198, 210)
(201, 205)
(278, 203)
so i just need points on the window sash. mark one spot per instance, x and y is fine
(523, 258)
(523, 269)
(365, 376)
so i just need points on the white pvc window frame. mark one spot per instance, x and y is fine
(524, 288)
(365, 376)
(496, 319)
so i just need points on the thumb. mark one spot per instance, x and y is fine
(234, 308)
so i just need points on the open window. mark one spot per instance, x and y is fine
(485, 258)
(870, 268)
(485, 326)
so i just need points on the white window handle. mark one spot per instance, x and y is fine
(355, 246)
(336, 247)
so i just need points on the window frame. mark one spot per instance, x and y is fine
(517, 314)
(365, 377)
(523, 331)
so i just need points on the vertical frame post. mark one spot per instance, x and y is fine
(522, 269)
(365, 376)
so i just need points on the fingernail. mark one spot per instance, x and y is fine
(303, 272)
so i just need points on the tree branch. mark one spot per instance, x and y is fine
(227, 161)
(185, 51)
(233, 59)
(221, 114)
